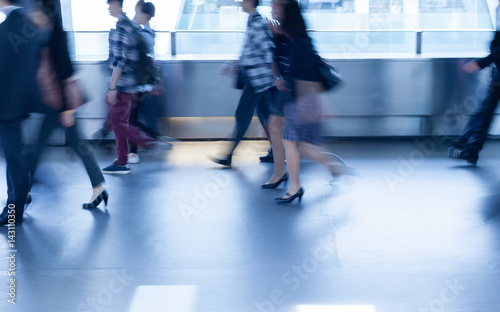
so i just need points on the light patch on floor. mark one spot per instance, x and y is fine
(335, 308)
(159, 298)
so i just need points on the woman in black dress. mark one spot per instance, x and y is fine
(301, 133)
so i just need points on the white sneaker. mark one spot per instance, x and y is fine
(133, 158)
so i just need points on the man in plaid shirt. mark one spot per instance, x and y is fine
(261, 72)
(123, 88)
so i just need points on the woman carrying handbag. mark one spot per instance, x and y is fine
(301, 133)
(60, 96)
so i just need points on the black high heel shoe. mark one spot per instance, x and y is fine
(27, 202)
(338, 170)
(103, 196)
(268, 185)
(281, 200)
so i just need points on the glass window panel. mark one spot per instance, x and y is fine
(209, 43)
(91, 20)
(93, 15)
(349, 43)
(454, 41)
(93, 46)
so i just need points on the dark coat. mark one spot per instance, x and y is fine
(19, 57)
(494, 56)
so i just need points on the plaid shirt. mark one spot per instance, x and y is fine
(124, 53)
(258, 54)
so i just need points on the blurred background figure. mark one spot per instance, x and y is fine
(280, 95)
(147, 104)
(18, 66)
(61, 95)
(123, 89)
(472, 139)
(301, 133)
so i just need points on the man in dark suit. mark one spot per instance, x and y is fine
(19, 55)
(471, 141)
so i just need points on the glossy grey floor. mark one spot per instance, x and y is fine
(415, 232)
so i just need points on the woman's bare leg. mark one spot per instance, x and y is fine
(319, 155)
(276, 136)
(293, 165)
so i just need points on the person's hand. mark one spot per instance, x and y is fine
(111, 98)
(67, 118)
(472, 67)
(73, 93)
(228, 70)
(281, 84)
(274, 26)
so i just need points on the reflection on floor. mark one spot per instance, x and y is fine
(416, 232)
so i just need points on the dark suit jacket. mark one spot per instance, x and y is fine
(19, 56)
(494, 56)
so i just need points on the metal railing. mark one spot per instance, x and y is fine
(419, 35)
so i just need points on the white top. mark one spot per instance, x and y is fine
(8, 9)
(5, 11)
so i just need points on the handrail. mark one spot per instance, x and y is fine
(419, 33)
(216, 31)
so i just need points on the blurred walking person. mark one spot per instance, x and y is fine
(260, 71)
(280, 96)
(123, 88)
(301, 133)
(147, 103)
(19, 55)
(471, 141)
(61, 96)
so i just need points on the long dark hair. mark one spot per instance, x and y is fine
(52, 10)
(293, 23)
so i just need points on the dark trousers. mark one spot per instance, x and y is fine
(146, 106)
(249, 101)
(17, 173)
(124, 132)
(82, 148)
(479, 123)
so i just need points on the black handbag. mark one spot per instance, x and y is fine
(241, 79)
(330, 77)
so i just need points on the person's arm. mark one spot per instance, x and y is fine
(477, 65)
(112, 91)
(263, 42)
(493, 57)
(278, 79)
(120, 50)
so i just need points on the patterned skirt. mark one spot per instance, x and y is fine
(303, 120)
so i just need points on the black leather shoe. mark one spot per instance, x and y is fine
(287, 200)
(221, 161)
(268, 185)
(103, 196)
(467, 154)
(470, 156)
(28, 202)
(267, 158)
